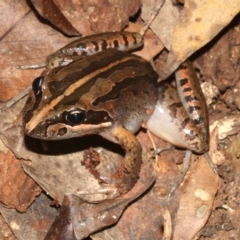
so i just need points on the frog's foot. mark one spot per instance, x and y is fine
(209, 160)
(126, 174)
(160, 150)
(120, 182)
(32, 66)
(156, 151)
(185, 167)
(113, 185)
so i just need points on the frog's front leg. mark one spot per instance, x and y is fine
(127, 173)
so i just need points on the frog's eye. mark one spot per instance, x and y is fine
(75, 116)
(37, 85)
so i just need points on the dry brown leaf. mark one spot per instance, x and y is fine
(17, 190)
(51, 12)
(198, 23)
(33, 223)
(93, 16)
(165, 22)
(88, 218)
(196, 202)
(24, 40)
(5, 232)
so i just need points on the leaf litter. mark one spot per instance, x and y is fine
(30, 40)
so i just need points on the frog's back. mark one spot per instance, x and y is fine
(122, 84)
(118, 86)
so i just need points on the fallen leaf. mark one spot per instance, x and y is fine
(83, 218)
(34, 222)
(5, 231)
(92, 16)
(17, 190)
(24, 40)
(196, 202)
(164, 23)
(51, 12)
(199, 22)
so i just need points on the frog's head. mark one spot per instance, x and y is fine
(54, 110)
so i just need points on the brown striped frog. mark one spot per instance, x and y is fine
(104, 91)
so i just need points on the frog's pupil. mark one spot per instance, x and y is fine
(37, 85)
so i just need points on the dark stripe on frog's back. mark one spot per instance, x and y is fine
(134, 83)
(121, 75)
(75, 71)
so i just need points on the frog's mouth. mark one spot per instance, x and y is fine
(61, 131)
